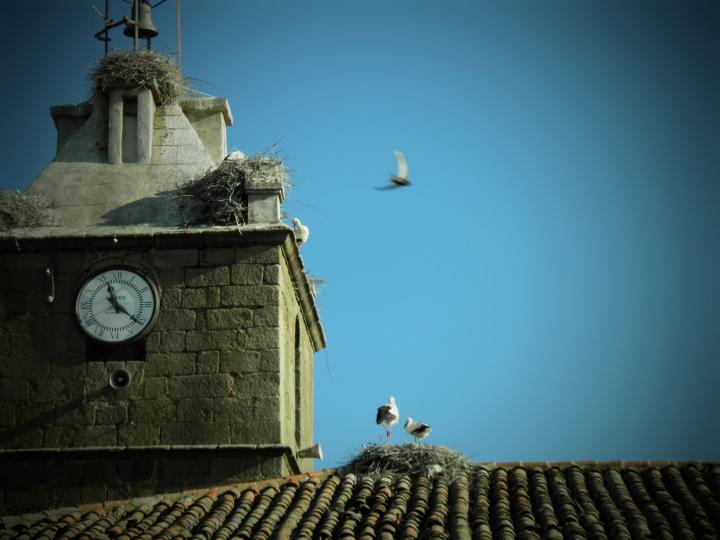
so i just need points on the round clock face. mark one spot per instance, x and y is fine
(117, 305)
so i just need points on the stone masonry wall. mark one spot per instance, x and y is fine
(212, 369)
(214, 364)
(296, 371)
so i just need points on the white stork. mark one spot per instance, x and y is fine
(302, 233)
(388, 415)
(401, 178)
(417, 430)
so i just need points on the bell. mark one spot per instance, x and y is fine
(147, 28)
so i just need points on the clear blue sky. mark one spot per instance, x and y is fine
(549, 287)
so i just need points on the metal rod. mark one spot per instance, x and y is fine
(107, 18)
(177, 28)
(137, 26)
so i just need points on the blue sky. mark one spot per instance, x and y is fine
(548, 287)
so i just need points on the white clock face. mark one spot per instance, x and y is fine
(116, 305)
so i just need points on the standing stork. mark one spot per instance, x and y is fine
(302, 232)
(417, 430)
(388, 415)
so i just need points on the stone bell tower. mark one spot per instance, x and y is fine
(139, 355)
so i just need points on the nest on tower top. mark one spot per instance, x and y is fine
(219, 196)
(140, 69)
(413, 459)
(20, 210)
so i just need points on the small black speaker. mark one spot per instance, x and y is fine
(120, 378)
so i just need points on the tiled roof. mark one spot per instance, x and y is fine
(505, 501)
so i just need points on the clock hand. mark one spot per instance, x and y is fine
(122, 308)
(113, 300)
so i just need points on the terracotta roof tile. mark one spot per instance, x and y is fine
(586, 500)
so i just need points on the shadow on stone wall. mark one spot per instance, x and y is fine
(165, 209)
(49, 417)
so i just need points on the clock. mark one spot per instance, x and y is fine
(117, 305)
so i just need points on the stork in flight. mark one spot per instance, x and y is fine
(401, 178)
(388, 415)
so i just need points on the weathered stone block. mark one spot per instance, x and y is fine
(258, 254)
(255, 432)
(234, 410)
(7, 414)
(138, 435)
(249, 296)
(205, 297)
(271, 274)
(195, 410)
(207, 277)
(171, 278)
(136, 471)
(221, 319)
(217, 256)
(258, 385)
(195, 433)
(229, 470)
(180, 472)
(266, 316)
(110, 413)
(174, 258)
(193, 386)
(259, 338)
(14, 389)
(67, 366)
(178, 363)
(201, 340)
(79, 415)
(208, 362)
(246, 274)
(30, 437)
(177, 319)
(171, 299)
(155, 386)
(72, 437)
(152, 411)
(250, 361)
(166, 342)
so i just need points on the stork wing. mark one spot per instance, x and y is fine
(382, 414)
(401, 164)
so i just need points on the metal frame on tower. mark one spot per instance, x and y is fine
(103, 35)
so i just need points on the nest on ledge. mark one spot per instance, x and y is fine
(140, 69)
(20, 210)
(219, 197)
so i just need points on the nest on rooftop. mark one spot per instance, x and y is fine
(219, 197)
(412, 459)
(20, 210)
(140, 69)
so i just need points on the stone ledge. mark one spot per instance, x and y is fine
(208, 104)
(101, 450)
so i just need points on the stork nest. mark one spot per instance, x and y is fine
(20, 210)
(219, 197)
(413, 459)
(140, 69)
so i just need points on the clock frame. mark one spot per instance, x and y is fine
(117, 305)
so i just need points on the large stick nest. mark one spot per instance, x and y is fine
(219, 197)
(140, 69)
(379, 459)
(19, 210)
